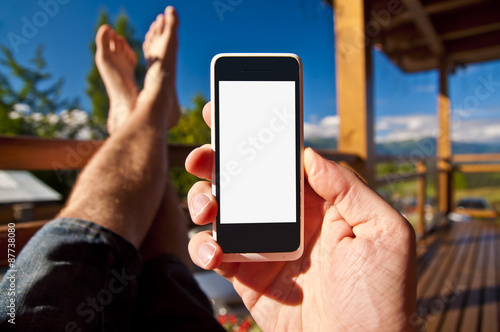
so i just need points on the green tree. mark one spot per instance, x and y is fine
(96, 90)
(191, 129)
(31, 104)
(8, 126)
(459, 180)
(31, 88)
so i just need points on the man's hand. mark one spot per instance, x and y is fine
(358, 270)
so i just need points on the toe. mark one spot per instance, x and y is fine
(132, 57)
(102, 37)
(171, 35)
(145, 48)
(121, 43)
(113, 41)
(171, 17)
(152, 29)
(160, 23)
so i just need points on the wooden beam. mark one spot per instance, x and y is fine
(34, 153)
(461, 24)
(424, 24)
(475, 55)
(411, 64)
(451, 27)
(476, 157)
(412, 57)
(421, 197)
(436, 8)
(484, 168)
(444, 142)
(485, 40)
(353, 60)
(470, 31)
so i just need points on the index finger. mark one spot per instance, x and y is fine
(207, 113)
(199, 162)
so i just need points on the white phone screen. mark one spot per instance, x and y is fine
(257, 152)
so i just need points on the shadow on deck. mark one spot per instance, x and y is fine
(459, 279)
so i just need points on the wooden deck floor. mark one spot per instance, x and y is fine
(459, 279)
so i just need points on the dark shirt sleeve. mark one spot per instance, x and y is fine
(170, 299)
(74, 275)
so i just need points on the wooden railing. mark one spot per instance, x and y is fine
(477, 163)
(424, 167)
(33, 153)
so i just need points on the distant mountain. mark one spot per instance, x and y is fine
(423, 147)
(321, 143)
(460, 148)
(426, 146)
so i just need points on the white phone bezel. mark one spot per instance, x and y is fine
(270, 256)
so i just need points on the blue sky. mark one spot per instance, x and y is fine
(405, 105)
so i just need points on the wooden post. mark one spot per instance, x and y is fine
(421, 197)
(444, 152)
(353, 60)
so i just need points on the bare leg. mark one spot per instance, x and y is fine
(123, 185)
(116, 61)
(168, 234)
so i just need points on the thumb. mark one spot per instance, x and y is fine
(354, 200)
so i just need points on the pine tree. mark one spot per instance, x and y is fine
(31, 86)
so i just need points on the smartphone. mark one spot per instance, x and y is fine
(257, 138)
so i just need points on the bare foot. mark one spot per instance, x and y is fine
(160, 51)
(116, 62)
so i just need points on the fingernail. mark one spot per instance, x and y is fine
(206, 253)
(200, 202)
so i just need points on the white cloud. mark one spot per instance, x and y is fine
(328, 127)
(476, 130)
(415, 127)
(402, 128)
